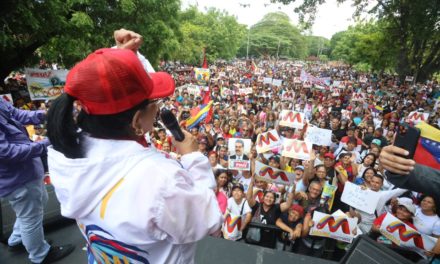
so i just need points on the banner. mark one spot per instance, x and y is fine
(239, 150)
(245, 91)
(363, 200)
(417, 117)
(287, 96)
(268, 141)
(45, 84)
(336, 227)
(409, 78)
(7, 98)
(358, 97)
(231, 226)
(291, 118)
(271, 174)
(202, 76)
(336, 92)
(195, 90)
(319, 136)
(405, 236)
(277, 82)
(267, 80)
(296, 149)
(307, 84)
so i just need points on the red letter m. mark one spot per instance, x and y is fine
(297, 146)
(292, 116)
(417, 116)
(266, 140)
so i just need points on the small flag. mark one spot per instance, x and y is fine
(428, 148)
(204, 113)
(205, 62)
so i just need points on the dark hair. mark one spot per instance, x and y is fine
(220, 171)
(370, 168)
(64, 133)
(370, 154)
(377, 175)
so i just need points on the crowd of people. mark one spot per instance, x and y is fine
(361, 131)
(244, 105)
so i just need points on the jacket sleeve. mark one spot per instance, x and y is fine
(15, 152)
(189, 210)
(422, 179)
(26, 117)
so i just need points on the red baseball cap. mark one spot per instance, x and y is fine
(329, 155)
(111, 81)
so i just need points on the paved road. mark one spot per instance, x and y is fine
(65, 232)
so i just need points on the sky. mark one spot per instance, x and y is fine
(331, 17)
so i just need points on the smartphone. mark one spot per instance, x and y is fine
(407, 138)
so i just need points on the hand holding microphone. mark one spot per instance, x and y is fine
(183, 140)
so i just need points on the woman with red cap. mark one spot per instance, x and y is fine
(131, 202)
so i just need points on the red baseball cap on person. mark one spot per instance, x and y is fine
(298, 208)
(111, 81)
(329, 155)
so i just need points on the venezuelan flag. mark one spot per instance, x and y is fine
(428, 148)
(203, 113)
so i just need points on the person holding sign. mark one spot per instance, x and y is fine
(266, 212)
(405, 213)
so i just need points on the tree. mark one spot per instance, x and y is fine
(66, 31)
(317, 46)
(217, 31)
(274, 35)
(413, 25)
(365, 43)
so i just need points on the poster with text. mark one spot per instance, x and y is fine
(231, 226)
(271, 174)
(363, 200)
(202, 76)
(239, 150)
(338, 227)
(405, 236)
(319, 136)
(296, 149)
(292, 119)
(268, 141)
(417, 117)
(45, 84)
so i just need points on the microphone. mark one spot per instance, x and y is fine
(170, 122)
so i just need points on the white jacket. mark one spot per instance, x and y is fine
(134, 204)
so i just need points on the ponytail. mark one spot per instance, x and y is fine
(61, 128)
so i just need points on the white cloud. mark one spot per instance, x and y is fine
(331, 17)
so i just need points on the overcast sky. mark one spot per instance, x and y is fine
(331, 17)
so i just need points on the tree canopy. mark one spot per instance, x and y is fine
(217, 31)
(275, 35)
(413, 25)
(66, 31)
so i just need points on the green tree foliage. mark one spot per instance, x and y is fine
(413, 25)
(275, 35)
(365, 43)
(217, 31)
(66, 31)
(317, 46)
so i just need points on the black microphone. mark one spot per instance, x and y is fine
(170, 122)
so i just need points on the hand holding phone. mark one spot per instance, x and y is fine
(407, 138)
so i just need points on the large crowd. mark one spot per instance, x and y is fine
(361, 129)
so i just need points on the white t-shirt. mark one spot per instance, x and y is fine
(427, 224)
(245, 182)
(236, 210)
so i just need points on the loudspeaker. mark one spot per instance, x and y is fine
(364, 250)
